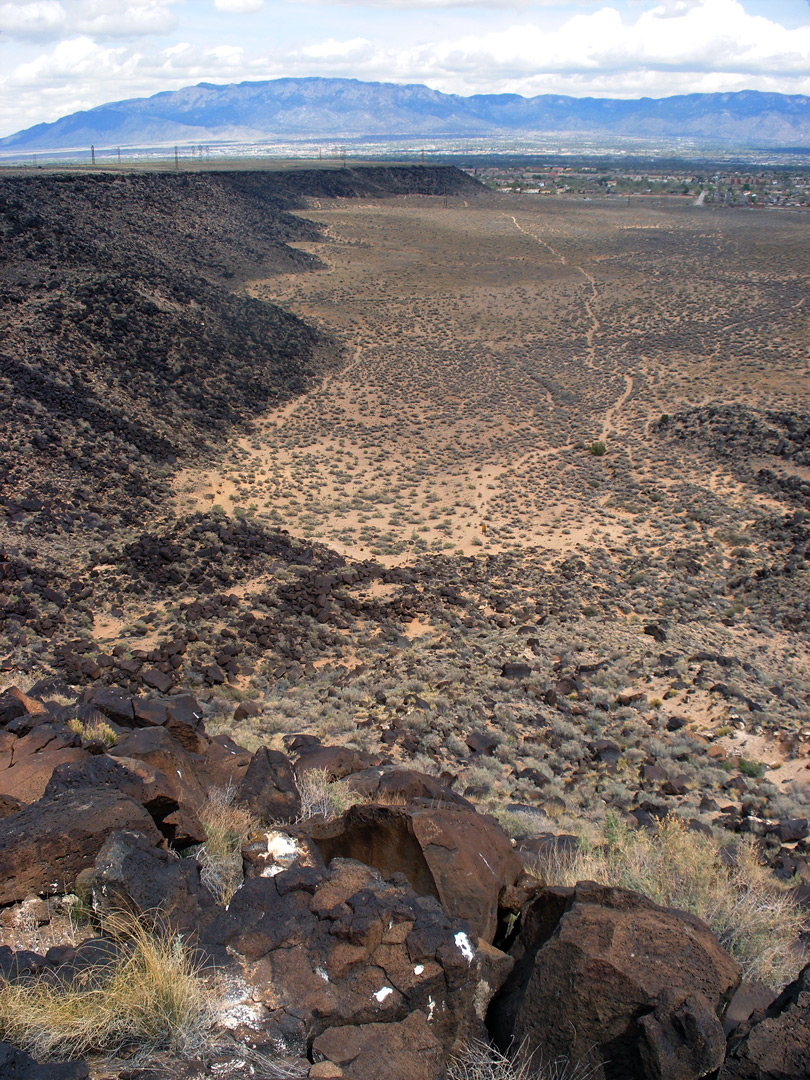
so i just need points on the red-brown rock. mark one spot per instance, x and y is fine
(462, 858)
(408, 1050)
(774, 1044)
(44, 846)
(606, 975)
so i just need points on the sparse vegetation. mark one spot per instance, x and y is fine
(95, 730)
(753, 917)
(482, 1061)
(228, 827)
(151, 996)
(323, 796)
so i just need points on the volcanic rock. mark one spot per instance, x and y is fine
(605, 975)
(462, 858)
(44, 846)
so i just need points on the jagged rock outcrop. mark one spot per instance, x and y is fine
(46, 845)
(605, 975)
(462, 858)
(774, 1043)
(314, 949)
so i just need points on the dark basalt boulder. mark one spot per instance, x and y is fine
(268, 787)
(45, 846)
(337, 761)
(170, 802)
(305, 950)
(408, 1050)
(388, 782)
(131, 874)
(605, 976)
(462, 858)
(17, 1065)
(774, 1043)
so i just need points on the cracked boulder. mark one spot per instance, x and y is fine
(605, 976)
(304, 950)
(463, 859)
(774, 1043)
(408, 1050)
(45, 846)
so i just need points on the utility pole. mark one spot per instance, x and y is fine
(423, 157)
(92, 155)
(119, 155)
(176, 160)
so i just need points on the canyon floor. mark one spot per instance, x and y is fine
(535, 515)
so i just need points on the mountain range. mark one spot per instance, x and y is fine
(348, 108)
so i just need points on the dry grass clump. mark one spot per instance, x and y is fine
(151, 997)
(481, 1061)
(228, 828)
(755, 919)
(321, 796)
(95, 730)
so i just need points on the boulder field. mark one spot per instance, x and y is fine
(374, 944)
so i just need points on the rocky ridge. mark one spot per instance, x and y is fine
(378, 943)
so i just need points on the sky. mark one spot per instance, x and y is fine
(59, 56)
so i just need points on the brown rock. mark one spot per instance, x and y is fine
(14, 704)
(131, 873)
(391, 784)
(607, 976)
(462, 858)
(316, 949)
(27, 779)
(407, 1050)
(337, 761)
(268, 787)
(774, 1044)
(44, 846)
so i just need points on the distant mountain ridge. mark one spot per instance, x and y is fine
(346, 108)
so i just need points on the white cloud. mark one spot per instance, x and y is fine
(240, 7)
(101, 18)
(44, 19)
(354, 49)
(111, 18)
(681, 46)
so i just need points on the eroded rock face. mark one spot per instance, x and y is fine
(131, 874)
(306, 950)
(463, 859)
(45, 846)
(774, 1044)
(268, 787)
(408, 1050)
(606, 975)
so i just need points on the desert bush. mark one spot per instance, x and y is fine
(755, 919)
(321, 796)
(228, 827)
(598, 448)
(481, 1061)
(151, 996)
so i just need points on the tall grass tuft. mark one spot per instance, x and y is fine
(755, 919)
(321, 796)
(228, 827)
(152, 996)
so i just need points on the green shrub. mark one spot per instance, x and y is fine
(598, 448)
(752, 769)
